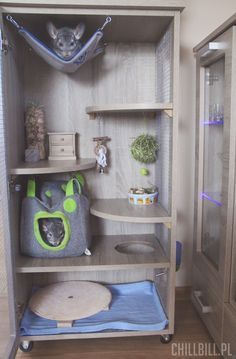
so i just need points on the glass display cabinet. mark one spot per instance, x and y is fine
(214, 289)
(213, 128)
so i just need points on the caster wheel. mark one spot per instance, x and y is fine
(26, 346)
(166, 338)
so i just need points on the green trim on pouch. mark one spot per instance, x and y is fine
(80, 178)
(70, 187)
(48, 194)
(43, 214)
(63, 187)
(31, 188)
(69, 205)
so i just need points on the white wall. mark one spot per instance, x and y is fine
(199, 19)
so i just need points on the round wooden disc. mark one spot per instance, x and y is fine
(68, 301)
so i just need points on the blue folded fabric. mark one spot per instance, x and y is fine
(134, 307)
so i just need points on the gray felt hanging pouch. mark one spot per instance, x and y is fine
(70, 216)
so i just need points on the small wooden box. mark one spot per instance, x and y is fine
(62, 146)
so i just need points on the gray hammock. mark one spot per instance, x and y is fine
(92, 48)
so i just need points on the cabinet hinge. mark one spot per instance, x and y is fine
(4, 44)
(13, 186)
(20, 310)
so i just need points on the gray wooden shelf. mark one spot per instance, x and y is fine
(59, 166)
(129, 107)
(107, 334)
(104, 257)
(121, 210)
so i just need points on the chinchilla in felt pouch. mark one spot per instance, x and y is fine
(55, 225)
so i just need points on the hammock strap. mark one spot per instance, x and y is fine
(108, 19)
(10, 18)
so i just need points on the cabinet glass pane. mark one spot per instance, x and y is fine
(213, 160)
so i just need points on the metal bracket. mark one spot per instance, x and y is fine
(160, 273)
(20, 310)
(13, 185)
(211, 48)
(169, 113)
(92, 116)
(4, 44)
(168, 225)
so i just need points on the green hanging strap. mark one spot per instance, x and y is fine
(80, 178)
(70, 204)
(70, 187)
(80, 183)
(31, 188)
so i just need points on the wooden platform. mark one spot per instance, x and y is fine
(129, 107)
(104, 257)
(119, 209)
(70, 300)
(59, 166)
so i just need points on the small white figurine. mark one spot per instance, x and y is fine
(101, 152)
(101, 158)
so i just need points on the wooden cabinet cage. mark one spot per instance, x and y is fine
(130, 90)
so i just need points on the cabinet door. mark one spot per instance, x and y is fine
(232, 297)
(212, 166)
(215, 151)
(9, 340)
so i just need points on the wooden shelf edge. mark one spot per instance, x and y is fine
(120, 210)
(129, 107)
(58, 166)
(130, 219)
(97, 267)
(96, 335)
(101, 245)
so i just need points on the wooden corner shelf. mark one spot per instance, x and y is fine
(58, 166)
(129, 107)
(104, 257)
(119, 209)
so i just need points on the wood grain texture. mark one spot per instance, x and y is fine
(119, 334)
(56, 166)
(134, 107)
(122, 65)
(209, 297)
(153, 4)
(125, 75)
(121, 210)
(10, 86)
(230, 263)
(104, 257)
(4, 324)
(99, 276)
(229, 325)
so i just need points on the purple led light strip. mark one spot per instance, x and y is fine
(213, 122)
(204, 195)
